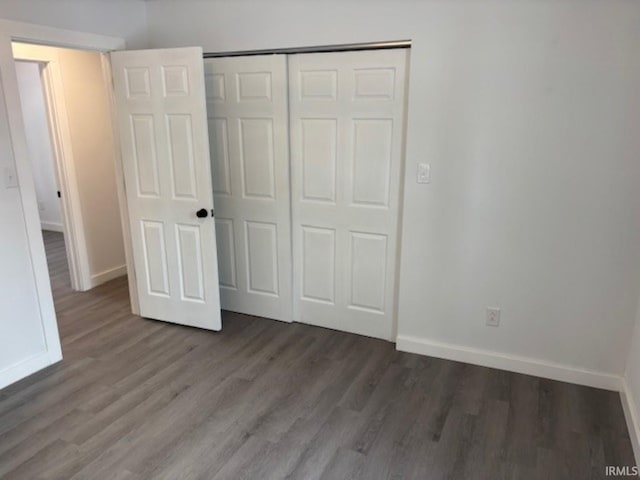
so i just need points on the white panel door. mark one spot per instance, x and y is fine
(247, 114)
(160, 102)
(347, 113)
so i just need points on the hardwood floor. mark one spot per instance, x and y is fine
(140, 399)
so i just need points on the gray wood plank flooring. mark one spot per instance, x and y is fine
(141, 399)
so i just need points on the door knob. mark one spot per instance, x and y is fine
(202, 213)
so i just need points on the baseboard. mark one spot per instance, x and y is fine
(630, 408)
(51, 226)
(26, 367)
(110, 274)
(512, 363)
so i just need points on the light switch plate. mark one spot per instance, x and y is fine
(424, 173)
(10, 177)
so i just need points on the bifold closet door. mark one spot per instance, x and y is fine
(248, 130)
(346, 120)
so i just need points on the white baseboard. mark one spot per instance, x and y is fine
(512, 363)
(630, 408)
(26, 367)
(51, 226)
(110, 274)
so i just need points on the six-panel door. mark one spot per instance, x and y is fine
(247, 114)
(346, 118)
(161, 116)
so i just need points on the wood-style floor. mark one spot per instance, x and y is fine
(140, 399)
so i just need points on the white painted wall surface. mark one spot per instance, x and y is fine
(88, 110)
(631, 395)
(36, 122)
(528, 114)
(21, 334)
(86, 98)
(118, 18)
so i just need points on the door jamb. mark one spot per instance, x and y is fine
(120, 185)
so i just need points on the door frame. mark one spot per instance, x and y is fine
(53, 37)
(11, 31)
(60, 139)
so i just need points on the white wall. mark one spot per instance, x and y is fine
(88, 110)
(117, 18)
(34, 111)
(631, 395)
(528, 114)
(21, 334)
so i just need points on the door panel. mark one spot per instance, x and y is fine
(248, 125)
(318, 264)
(190, 258)
(319, 152)
(219, 138)
(160, 102)
(262, 257)
(367, 275)
(372, 157)
(181, 156)
(155, 258)
(144, 155)
(256, 157)
(346, 117)
(226, 253)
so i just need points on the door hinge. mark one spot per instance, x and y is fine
(59, 194)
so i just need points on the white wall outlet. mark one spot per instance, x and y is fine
(10, 177)
(41, 206)
(493, 317)
(424, 173)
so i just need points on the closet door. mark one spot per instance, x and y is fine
(247, 116)
(346, 117)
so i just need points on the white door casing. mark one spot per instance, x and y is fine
(161, 116)
(346, 117)
(248, 128)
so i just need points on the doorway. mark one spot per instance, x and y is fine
(66, 111)
(45, 174)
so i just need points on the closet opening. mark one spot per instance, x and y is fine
(307, 149)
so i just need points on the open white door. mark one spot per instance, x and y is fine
(161, 113)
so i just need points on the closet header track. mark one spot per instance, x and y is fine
(349, 47)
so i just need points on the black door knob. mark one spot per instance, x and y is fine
(202, 213)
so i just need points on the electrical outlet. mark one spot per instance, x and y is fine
(424, 173)
(41, 206)
(493, 317)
